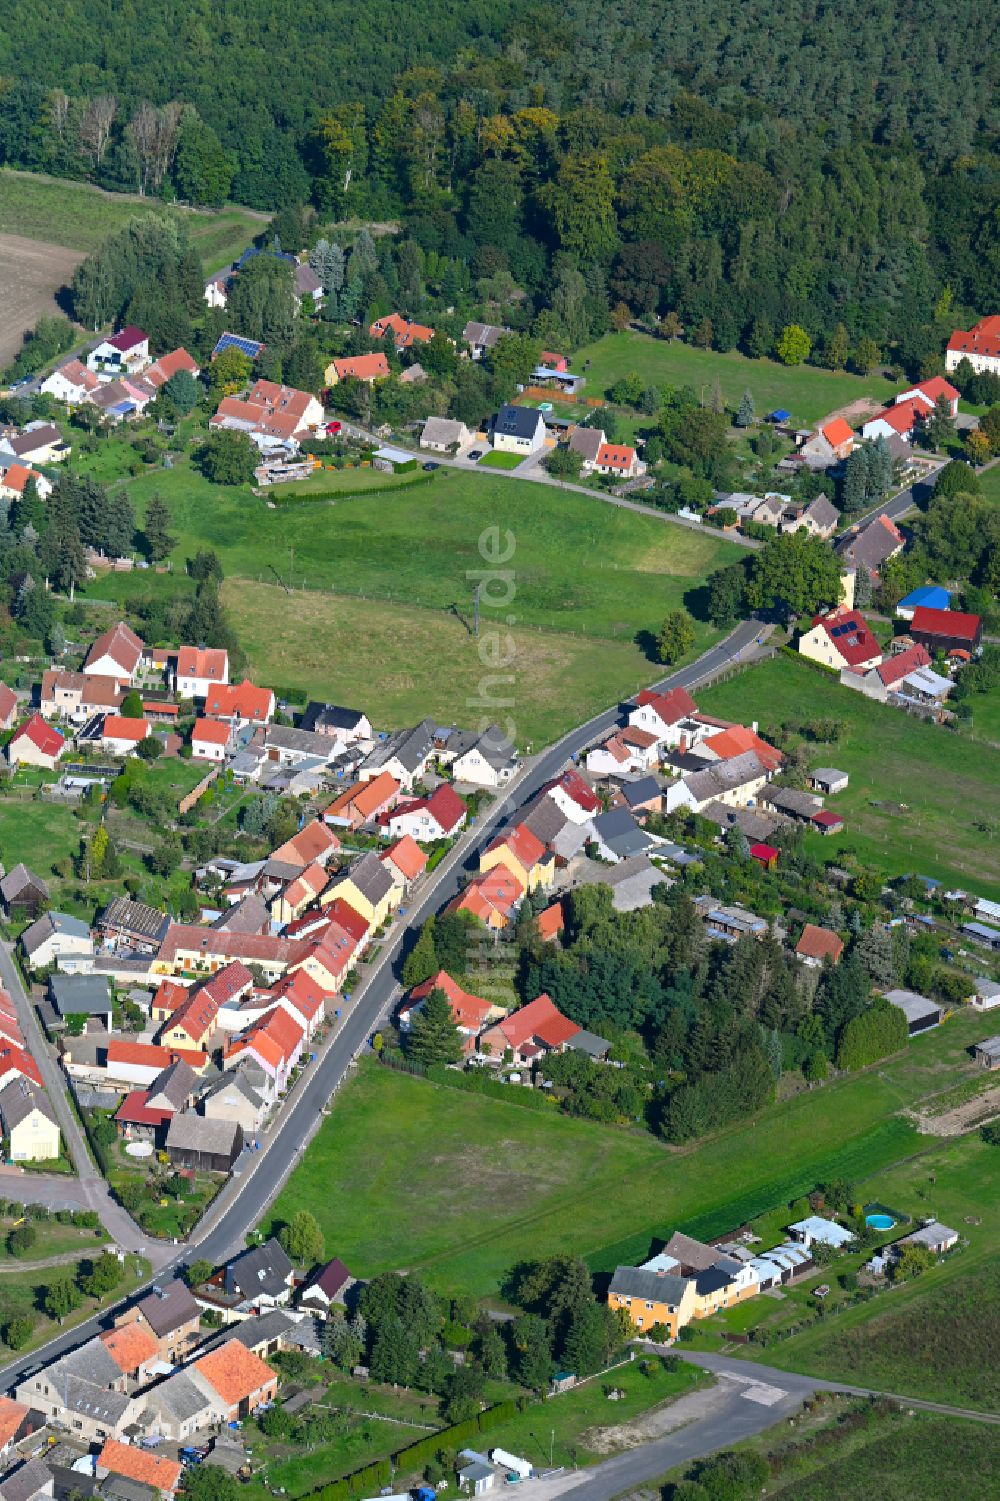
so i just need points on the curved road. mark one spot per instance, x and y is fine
(242, 1201)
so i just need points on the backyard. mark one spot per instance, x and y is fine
(807, 392)
(922, 798)
(405, 1173)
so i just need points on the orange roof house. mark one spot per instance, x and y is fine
(537, 1028)
(405, 333)
(131, 1347)
(241, 1379)
(13, 1416)
(154, 1470)
(817, 944)
(492, 897)
(523, 854)
(243, 701)
(364, 801)
(736, 740)
(404, 860)
(550, 923)
(366, 367)
(313, 843)
(470, 1012)
(838, 432)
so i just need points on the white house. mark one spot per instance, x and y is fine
(117, 653)
(199, 670)
(518, 430)
(980, 345)
(669, 716)
(427, 818)
(120, 734)
(440, 433)
(489, 761)
(931, 391)
(210, 740)
(124, 353)
(619, 459)
(624, 753)
(72, 383)
(54, 934)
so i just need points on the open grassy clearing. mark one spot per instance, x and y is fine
(79, 216)
(39, 833)
(362, 651)
(936, 1336)
(949, 784)
(805, 391)
(474, 1184)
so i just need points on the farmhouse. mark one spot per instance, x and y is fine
(116, 654)
(829, 444)
(36, 743)
(442, 434)
(872, 546)
(841, 638)
(946, 630)
(366, 367)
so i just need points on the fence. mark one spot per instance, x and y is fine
(192, 797)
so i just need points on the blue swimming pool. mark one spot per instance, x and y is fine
(879, 1221)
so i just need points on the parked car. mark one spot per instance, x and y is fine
(476, 453)
(431, 466)
(332, 428)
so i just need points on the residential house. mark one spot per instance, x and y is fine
(210, 1146)
(366, 886)
(363, 802)
(121, 735)
(980, 345)
(523, 854)
(643, 796)
(872, 546)
(817, 944)
(493, 898)
(30, 1128)
(618, 836)
(117, 654)
(14, 479)
(482, 337)
(71, 383)
(133, 1349)
(168, 365)
(550, 922)
(573, 796)
(241, 1379)
(234, 1098)
(262, 1276)
(327, 1289)
(14, 1425)
(470, 1013)
(74, 695)
(820, 518)
(888, 676)
(82, 995)
(815, 1230)
(366, 367)
(84, 1392)
(272, 416)
(36, 743)
(274, 1043)
(443, 435)
(619, 459)
(134, 926)
(669, 716)
(299, 894)
(404, 861)
(240, 703)
(830, 444)
(156, 1472)
(946, 630)
(587, 442)
(734, 740)
(346, 726)
(16, 1064)
(933, 1237)
(439, 816)
(486, 759)
(40, 443)
(140, 1063)
(8, 706)
(623, 754)
(22, 891)
(930, 392)
(405, 755)
(405, 334)
(170, 1314)
(313, 844)
(652, 1298)
(32, 1480)
(210, 740)
(54, 934)
(126, 352)
(528, 1034)
(841, 638)
(735, 782)
(199, 669)
(518, 430)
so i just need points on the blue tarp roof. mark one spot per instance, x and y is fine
(780, 414)
(931, 596)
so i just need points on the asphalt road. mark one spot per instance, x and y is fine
(243, 1200)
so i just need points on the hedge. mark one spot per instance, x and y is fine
(326, 495)
(372, 1477)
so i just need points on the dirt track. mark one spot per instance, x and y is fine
(30, 275)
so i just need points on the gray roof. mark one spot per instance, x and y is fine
(89, 995)
(754, 824)
(485, 334)
(823, 512)
(91, 1363)
(517, 422)
(929, 1235)
(248, 915)
(263, 1268)
(235, 1079)
(496, 748)
(18, 1099)
(871, 547)
(723, 776)
(827, 774)
(589, 1043)
(136, 917)
(586, 441)
(658, 1287)
(642, 790)
(181, 1397)
(176, 1084)
(791, 800)
(275, 1324)
(443, 430)
(370, 877)
(50, 923)
(303, 742)
(409, 747)
(913, 1006)
(690, 1252)
(545, 818)
(26, 1481)
(17, 879)
(333, 716)
(191, 1132)
(168, 1307)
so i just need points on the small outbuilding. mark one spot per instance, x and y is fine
(933, 1237)
(920, 1013)
(828, 779)
(987, 1052)
(210, 1146)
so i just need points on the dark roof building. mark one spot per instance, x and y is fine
(260, 1271)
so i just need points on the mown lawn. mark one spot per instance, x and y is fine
(805, 391)
(936, 1337)
(39, 833)
(80, 217)
(405, 1173)
(391, 658)
(291, 1469)
(950, 786)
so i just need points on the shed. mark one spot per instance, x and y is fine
(211, 1145)
(987, 1052)
(986, 937)
(920, 1013)
(986, 994)
(933, 1237)
(929, 596)
(828, 779)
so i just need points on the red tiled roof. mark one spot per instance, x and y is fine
(444, 805)
(149, 1055)
(240, 700)
(130, 1346)
(737, 740)
(407, 856)
(937, 387)
(170, 995)
(671, 707)
(551, 922)
(363, 367)
(469, 1011)
(119, 727)
(168, 365)
(16, 1059)
(154, 1470)
(946, 623)
(121, 644)
(42, 735)
(525, 846)
(8, 701)
(202, 662)
(210, 732)
(496, 892)
(816, 943)
(313, 842)
(764, 852)
(235, 1372)
(12, 1415)
(893, 669)
(573, 784)
(615, 456)
(352, 921)
(853, 639)
(540, 1018)
(827, 819)
(904, 417)
(982, 338)
(838, 431)
(127, 338)
(134, 1111)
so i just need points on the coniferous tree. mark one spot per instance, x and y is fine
(433, 1036)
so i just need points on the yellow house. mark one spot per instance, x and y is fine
(299, 894)
(366, 367)
(718, 1288)
(653, 1298)
(841, 639)
(367, 887)
(524, 855)
(29, 1123)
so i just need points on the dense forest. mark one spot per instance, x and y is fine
(741, 168)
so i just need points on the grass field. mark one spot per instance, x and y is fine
(934, 1337)
(37, 832)
(361, 651)
(495, 460)
(906, 1457)
(410, 1174)
(948, 783)
(807, 392)
(78, 216)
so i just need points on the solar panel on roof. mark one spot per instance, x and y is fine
(250, 347)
